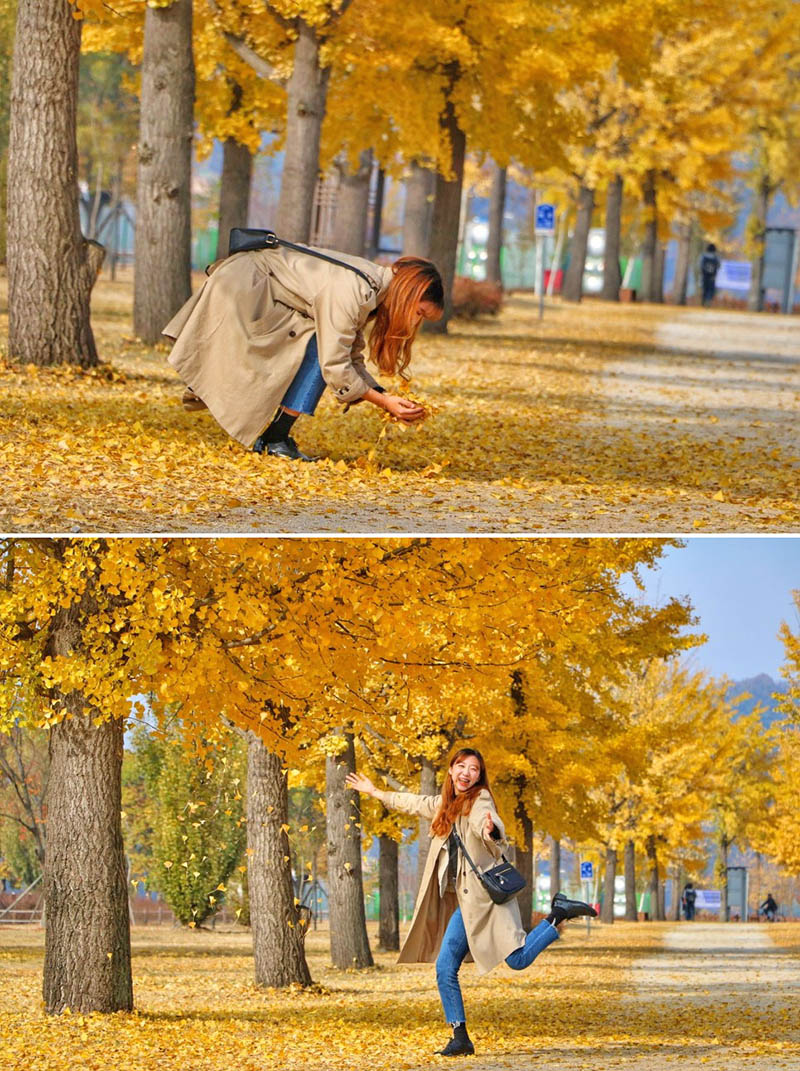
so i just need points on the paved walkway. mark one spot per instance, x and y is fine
(723, 998)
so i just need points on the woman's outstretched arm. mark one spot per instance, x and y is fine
(408, 802)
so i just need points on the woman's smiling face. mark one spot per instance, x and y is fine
(465, 772)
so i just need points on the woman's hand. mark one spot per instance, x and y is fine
(488, 826)
(407, 412)
(360, 783)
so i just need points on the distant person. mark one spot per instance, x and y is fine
(688, 901)
(769, 908)
(709, 266)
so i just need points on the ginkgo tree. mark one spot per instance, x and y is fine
(290, 641)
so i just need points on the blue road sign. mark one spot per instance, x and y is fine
(545, 219)
(587, 871)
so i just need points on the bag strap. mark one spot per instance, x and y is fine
(467, 856)
(272, 241)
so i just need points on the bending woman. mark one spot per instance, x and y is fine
(270, 328)
(454, 916)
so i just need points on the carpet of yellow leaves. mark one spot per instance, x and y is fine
(578, 1007)
(598, 419)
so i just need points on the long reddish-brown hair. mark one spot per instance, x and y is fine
(394, 328)
(455, 804)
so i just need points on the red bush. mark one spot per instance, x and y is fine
(472, 298)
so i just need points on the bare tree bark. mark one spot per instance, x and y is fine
(87, 939)
(447, 206)
(349, 942)
(420, 186)
(162, 269)
(51, 267)
(609, 880)
(427, 787)
(681, 284)
(630, 882)
(612, 273)
(389, 885)
(234, 194)
(350, 222)
(573, 280)
(278, 931)
(724, 910)
(555, 866)
(497, 204)
(307, 100)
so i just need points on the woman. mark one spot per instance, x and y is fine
(454, 916)
(271, 328)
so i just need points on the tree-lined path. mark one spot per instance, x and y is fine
(600, 418)
(643, 997)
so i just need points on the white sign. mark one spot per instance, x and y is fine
(708, 900)
(734, 275)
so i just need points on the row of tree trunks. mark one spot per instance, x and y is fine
(348, 924)
(234, 197)
(573, 279)
(612, 275)
(497, 204)
(447, 205)
(162, 249)
(420, 186)
(352, 202)
(51, 267)
(278, 935)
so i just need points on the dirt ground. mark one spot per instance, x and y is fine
(599, 418)
(635, 996)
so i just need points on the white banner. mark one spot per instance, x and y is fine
(734, 275)
(708, 900)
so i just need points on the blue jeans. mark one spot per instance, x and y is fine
(307, 387)
(454, 949)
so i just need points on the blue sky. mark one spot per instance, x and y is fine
(741, 590)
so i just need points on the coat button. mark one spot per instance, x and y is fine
(292, 334)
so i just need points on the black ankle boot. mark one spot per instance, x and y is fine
(459, 1044)
(563, 909)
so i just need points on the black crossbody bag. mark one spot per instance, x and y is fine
(246, 239)
(502, 882)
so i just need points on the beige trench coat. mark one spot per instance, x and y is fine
(241, 338)
(493, 930)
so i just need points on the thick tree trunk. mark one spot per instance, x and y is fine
(51, 267)
(427, 787)
(630, 882)
(677, 885)
(497, 204)
(389, 886)
(555, 866)
(234, 194)
(658, 275)
(306, 103)
(87, 939)
(162, 268)
(278, 935)
(349, 942)
(681, 284)
(376, 225)
(420, 186)
(758, 226)
(650, 241)
(573, 280)
(524, 864)
(609, 880)
(447, 210)
(352, 202)
(612, 273)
